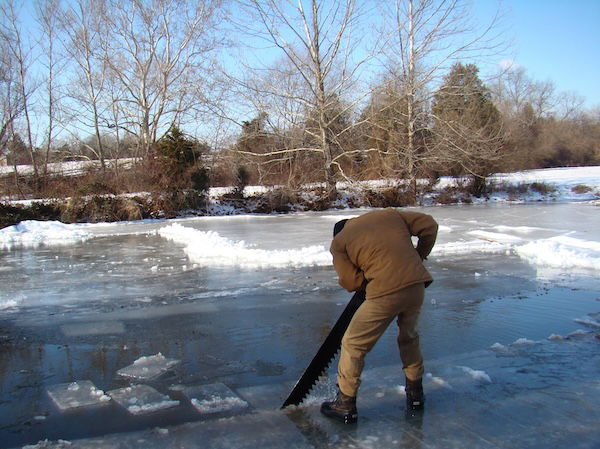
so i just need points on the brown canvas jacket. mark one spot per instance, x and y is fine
(377, 248)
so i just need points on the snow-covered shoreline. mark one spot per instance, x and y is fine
(540, 247)
(563, 180)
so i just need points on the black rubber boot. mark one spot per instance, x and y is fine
(343, 408)
(415, 399)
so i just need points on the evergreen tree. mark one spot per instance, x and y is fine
(467, 126)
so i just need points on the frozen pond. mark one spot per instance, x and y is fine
(245, 301)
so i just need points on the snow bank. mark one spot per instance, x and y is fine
(562, 252)
(211, 249)
(32, 234)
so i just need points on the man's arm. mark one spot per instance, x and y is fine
(350, 276)
(424, 227)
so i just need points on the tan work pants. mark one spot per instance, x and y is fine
(370, 322)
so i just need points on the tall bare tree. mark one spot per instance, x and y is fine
(311, 86)
(48, 18)
(20, 52)
(86, 40)
(425, 38)
(11, 105)
(157, 51)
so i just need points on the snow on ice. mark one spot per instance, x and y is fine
(523, 342)
(142, 399)
(33, 233)
(76, 395)
(477, 375)
(210, 249)
(148, 367)
(214, 398)
(438, 381)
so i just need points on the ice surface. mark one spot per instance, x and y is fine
(214, 398)
(96, 328)
(142, 399)
(76, 395)
(517, 410)
(148, 367)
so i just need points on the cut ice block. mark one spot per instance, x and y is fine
(148, 367)
(214, 398)
(141, 399)
(79, 394)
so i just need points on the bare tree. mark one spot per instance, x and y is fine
(157, 51)
(11, 105)
(21, 54)
(514, 90)
(425, 38)
(311, 87)
(86, 37)
(48, 12)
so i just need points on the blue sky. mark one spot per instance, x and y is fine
(557, 40)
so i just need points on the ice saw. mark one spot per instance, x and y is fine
(326, 352)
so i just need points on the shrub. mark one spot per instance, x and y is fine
(542, 188)
(242, 177)
(99, 208)
(580, 189)
(387, 197)
(11, 215)
(446, 196)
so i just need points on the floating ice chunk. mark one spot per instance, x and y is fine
(142, 399)
(148, 367)
(555, 337)
(578, 333)
(498, 347)
(588, 322)
(438, 381)
(401, 389)
(214, 398)
(523, 342)
(478, 375)
(74, 395)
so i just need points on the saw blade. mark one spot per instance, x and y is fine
(326, 352)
